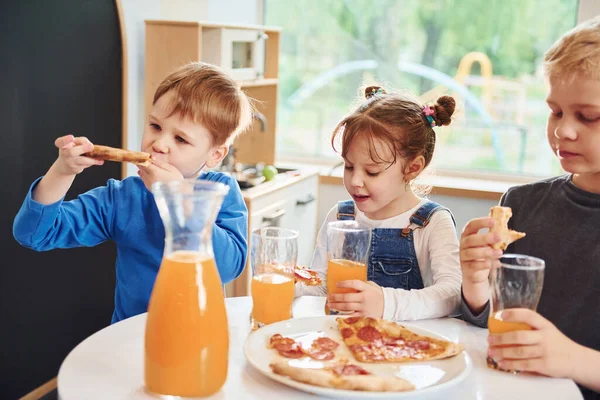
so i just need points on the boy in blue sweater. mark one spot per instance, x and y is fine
(197, 111)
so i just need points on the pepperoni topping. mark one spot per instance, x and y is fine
(419, 344)
(293, 352)
(352, 369)
(346, 333)
(357, 348)
(302, 273)
(325, 343)
(369, 334)
(275, 338)
(351, 320)
(284, 346)
(348, 369)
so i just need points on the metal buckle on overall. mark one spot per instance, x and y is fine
(339, 214)
(424, 220)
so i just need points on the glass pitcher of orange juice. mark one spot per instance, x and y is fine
(517, 283)
(273, 255)
(187, 337)
(348, 245)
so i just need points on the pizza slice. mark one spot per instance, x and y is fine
(342, 375)
(374, 340)
(501, 215)
(321, 348)
(307, 276)
(113, 154)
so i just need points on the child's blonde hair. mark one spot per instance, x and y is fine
(577, 52)
(396, 119)
(208, 96)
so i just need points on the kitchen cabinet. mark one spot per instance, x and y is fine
(289, 201)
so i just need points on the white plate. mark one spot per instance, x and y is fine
(427, 376)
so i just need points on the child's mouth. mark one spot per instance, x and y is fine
(566, 154)
(360, 198)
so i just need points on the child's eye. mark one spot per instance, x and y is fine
(348, 167)
(588, 118)
(180, 139)
(372, 173)
(556, 114)
(156, 127)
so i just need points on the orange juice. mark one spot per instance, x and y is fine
(344, 270)
(272, 296)
(187, 338)
(496, 325)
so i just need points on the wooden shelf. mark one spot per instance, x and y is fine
(259, 82)
(207, 24)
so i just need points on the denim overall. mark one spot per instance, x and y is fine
(392, 257)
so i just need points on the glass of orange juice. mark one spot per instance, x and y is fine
(517, 283)
(273, 256)
(186, 343)
(348, 245)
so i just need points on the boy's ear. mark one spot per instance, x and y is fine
(217, 155)
(414, 167)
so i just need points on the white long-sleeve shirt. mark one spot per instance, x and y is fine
(436, 247)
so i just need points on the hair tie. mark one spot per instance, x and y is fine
(429, 113)
(374, 90)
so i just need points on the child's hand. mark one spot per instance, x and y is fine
(367, 302)
(476, 254)
(158, 171)
(71, 160)
(544, 350)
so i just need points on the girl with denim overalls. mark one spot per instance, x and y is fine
(413, 267)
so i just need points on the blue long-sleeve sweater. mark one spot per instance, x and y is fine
(125, 211)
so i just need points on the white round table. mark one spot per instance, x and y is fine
(110, 364)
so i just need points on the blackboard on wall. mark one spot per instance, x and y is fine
(61, 73)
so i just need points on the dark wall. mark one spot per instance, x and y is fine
(60, 73)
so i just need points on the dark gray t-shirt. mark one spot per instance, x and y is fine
(562, 223)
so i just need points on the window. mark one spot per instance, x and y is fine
(485, 53)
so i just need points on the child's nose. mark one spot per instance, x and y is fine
(356, 180)
(565, 130)
(160, 146)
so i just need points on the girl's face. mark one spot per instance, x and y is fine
(377, 188)
(573, 129)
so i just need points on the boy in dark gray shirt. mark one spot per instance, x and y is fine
(561, 217)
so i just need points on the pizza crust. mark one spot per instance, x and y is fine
(326, 378)
(501, 215)
(113, 154)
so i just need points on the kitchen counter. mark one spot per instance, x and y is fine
(280, 181)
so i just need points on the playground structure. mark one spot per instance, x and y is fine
(500, 106)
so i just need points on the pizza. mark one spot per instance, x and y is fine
(307, 276)
(113, 154)
(342, 375)
(501, 215)
(321, 348)
(374, 340)
(369, 340)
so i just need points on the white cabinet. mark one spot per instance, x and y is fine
(289, 202)
(301, 215)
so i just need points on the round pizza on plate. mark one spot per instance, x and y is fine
(369, 340)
